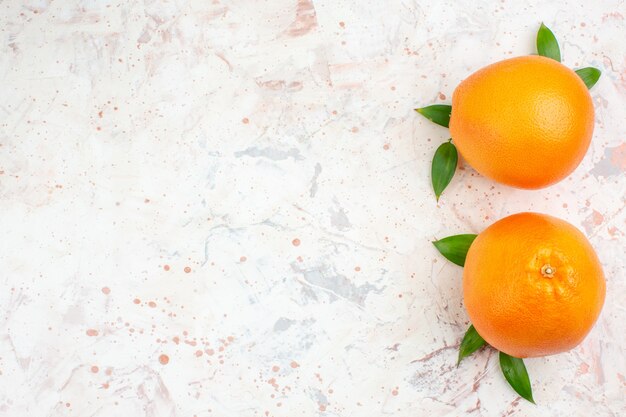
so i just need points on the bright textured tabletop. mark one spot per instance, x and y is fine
(223, 208)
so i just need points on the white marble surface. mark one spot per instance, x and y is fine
(143, 139)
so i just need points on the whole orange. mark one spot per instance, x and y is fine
(525, 122)
(532, 285)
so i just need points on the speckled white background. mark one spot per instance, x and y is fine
(242, 187)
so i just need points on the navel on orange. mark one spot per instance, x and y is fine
(532, 285)
(525, 122)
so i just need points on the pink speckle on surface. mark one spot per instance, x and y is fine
(294, 364)
(618, 157)
(92, 332)
(273, 383)
(164, 359)
(296, 242)
(106, 290)
(306, 19)
(598, 218)
(187, 269)
(94, 369)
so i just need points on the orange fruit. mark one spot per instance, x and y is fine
(532, 285)
(525, 122)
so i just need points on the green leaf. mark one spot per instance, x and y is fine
(454, 248)
(589, 75)
(443, 167)
(438, 113)
(515, 373)
(471, 342)
(547, 45)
